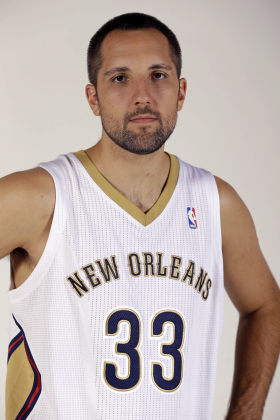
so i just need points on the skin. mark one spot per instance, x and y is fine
(141, 178)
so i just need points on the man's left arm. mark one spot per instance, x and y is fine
(256, 295)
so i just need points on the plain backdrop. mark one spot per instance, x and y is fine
(229, 124)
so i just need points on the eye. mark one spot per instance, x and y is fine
(118, 78)
(158, 75)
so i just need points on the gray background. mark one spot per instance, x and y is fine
(229, 124)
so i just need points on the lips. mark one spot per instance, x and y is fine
(143, 118)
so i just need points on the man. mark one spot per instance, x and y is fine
(119, 257)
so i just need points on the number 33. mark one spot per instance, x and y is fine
(130, 348)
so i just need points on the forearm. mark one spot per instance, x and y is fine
(256, 355)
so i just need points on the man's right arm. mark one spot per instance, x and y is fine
(27, 201)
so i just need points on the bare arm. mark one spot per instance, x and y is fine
(255, 293)
(26, 205)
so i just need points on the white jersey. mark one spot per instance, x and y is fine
(122, 317)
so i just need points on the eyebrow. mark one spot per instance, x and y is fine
(152, 67)
(160, 66)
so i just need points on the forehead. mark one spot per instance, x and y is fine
(144, 44)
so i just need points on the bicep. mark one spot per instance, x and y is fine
(248, 279)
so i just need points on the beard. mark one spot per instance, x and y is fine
(145, 141)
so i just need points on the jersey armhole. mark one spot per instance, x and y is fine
(218, 219)
(213, 198)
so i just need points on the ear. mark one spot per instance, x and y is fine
(182, 93)
(92, 99)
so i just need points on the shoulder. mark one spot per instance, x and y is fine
(30, 178)
(27, 202)
(226, 191)
(29, 186)
(235, 216)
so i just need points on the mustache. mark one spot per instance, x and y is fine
(139, 111)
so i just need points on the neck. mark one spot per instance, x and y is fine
(139, 178)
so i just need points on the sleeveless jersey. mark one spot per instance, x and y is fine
(122, 317)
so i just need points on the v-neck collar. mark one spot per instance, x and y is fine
(144, 218)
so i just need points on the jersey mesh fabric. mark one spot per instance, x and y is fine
(67, 333)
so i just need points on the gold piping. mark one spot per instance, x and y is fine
(144, 218)
(19, 382)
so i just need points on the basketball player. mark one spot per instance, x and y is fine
(120, 255)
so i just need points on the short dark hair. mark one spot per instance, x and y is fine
(129, 22)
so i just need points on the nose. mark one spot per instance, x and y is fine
(142, 91)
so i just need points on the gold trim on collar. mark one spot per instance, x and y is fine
(143, 218)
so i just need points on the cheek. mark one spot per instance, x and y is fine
(117, 99)
(113, 111)
(165, 96)
(166, 101)
(117, 91)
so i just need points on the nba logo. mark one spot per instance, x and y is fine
(192, 218)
